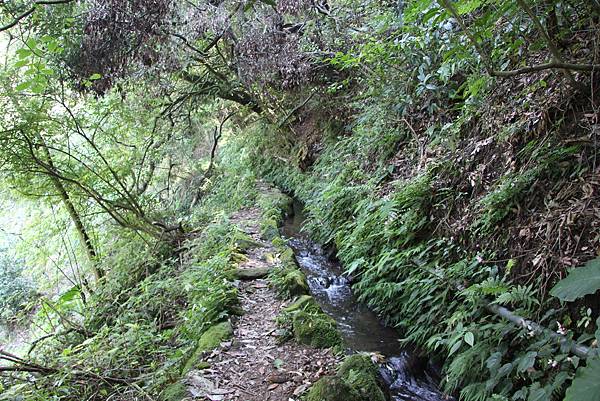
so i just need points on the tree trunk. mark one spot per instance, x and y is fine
(85, 238)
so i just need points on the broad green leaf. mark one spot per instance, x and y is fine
(469, 338)
(95, 77)
(465, 7)
(21, 63)
(538, 395)
(31, 42)
(493, 362)
(527, 361)
(580, 282)
(586, 385)
(23, 85)
(69, 295)
(505, 369)
(23, 53)
(455, 347)
(38, 88)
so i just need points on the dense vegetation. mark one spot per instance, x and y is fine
(447, 150)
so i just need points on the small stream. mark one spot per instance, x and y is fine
(409, 378)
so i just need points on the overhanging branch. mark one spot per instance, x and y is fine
(30, 11)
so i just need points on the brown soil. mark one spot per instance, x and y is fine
(253, 366)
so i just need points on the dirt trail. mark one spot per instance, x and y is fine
(253, 366)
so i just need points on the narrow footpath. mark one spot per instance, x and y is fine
(253, 365)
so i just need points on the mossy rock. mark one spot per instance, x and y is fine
(269, 229)
(295, 283)
(332, 388)
(287, 257)
(243, 242)
(289, 282)
(209, 340)
(238, 258)
(360, 373)
(174, 392)
(357, 380)
(305, 303)
(278, 242)
(253, 273)
(315, 329)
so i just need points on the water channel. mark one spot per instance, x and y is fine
(409, 377)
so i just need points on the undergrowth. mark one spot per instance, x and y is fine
(135, 334)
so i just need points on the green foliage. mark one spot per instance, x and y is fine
(580, 282)
(15, 289)
(500, 202)
(586, 386)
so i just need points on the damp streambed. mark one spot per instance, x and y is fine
(409, 378)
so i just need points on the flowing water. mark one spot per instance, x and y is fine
(409, 378)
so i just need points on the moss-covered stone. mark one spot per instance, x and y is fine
(304, 303)
(238, 258)
(289, 282)
(253, 273)
(295, 283)
(308, 324)
(357, 380)
(362, 375)
(315, 329)
(209, 340)
(332, 388)
(174, 392)
(243, 242)
(215, 336)
(287, 257)
(269, 229)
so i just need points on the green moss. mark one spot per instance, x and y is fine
(278, 242)
(289, 282)
(332, 388)
(269, 229)
(357, 380)
(215, 335)
(287, 257)
(174, 392)
(208, 341)
(361, 374)
(308, 324)
(243, 242)
(315, 329)
(304, 303)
